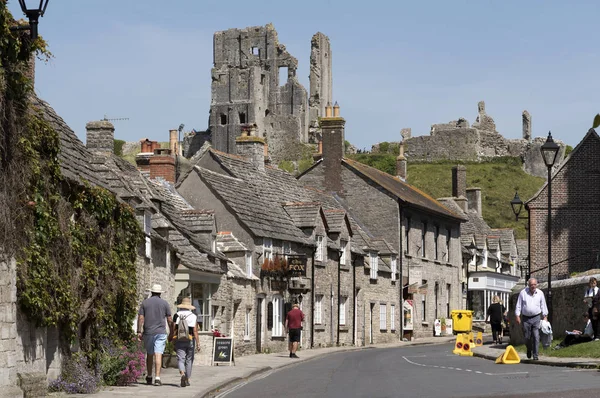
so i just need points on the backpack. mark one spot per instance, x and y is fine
(183, 333)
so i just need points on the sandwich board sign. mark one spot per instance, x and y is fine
(223, 351)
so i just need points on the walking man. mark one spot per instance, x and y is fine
(531, 306)
(293, 323)
(153, 315)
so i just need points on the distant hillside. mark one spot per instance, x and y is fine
(128, 150)
(498, 180)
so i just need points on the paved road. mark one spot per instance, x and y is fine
(418, 371)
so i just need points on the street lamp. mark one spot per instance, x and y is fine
(517, 206)
(33, 14)
(549, 153)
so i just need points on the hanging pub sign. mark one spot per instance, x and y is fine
(297, 265)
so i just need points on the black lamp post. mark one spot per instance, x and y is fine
(517, 206)
(549, 153)
(472, 248)
(33, 14)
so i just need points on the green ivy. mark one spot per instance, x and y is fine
(75, 244)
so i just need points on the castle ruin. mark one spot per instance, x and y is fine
(457, 140)
(254, 83)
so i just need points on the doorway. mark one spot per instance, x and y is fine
(371, 306)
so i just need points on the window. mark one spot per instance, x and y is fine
(249, 264)
(287, 249)
(436, 293)
(147, 231)
(277, 316)
(344, 249)
(283, 75)
(318, 308)
(223, 118)
(201, 296)
(424, 303)
(383, 316)
(247, 325)
(423, 236)
(320, 248)
(262, 81)
(407, 250)
(374, 264)
(242, 118)
(267, 249)
(394, 264)
(448, 295)
(213, 243)
(168, 258)
(393, 317)
(448, 237)
(255, 51)
(435, 241)
(343, 301)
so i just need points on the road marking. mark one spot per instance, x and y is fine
(460, 369)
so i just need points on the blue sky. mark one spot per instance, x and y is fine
(395, 63)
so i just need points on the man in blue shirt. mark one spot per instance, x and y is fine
(531, 307)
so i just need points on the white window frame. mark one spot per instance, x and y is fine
(319, 255)
(343, 301)
(277, 316)
(393, 317)
(394, 264)
(382, 316)
(167, 258)
(204, 307)
(249, 264)
(268, 248)
(213, 243)
(286, 247)
(318, 308)
(374, 263)
(147, 231)
(344, 250)
(247, 324)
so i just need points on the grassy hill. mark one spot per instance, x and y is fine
(498, 180)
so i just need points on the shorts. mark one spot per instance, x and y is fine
(294, 335)
(155, 343)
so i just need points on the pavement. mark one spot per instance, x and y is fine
(209, 381)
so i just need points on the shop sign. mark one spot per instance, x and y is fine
(296, 265)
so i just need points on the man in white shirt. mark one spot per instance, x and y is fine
(531, 306)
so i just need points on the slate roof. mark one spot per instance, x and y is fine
(304, 214)
(260, 211)
(227, 242)
(335, 219)
(410, 195)
(382, 247)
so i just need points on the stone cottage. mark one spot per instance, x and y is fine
(424, 233)
(491, 259)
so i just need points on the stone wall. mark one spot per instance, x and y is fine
(567, 302)
(29, 356)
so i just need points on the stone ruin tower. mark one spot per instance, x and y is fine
(254, 82)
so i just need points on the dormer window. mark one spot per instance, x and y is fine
(374, 262)
(320, 253)
(249, 264)
(394, 264)
(344, 252)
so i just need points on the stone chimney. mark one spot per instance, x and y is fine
(459, 186)
(142, 159)
(173, 142)
(401, 163)
(332, 128)
(252, 147)
(162, 165)
(100, 137)
(474, 199)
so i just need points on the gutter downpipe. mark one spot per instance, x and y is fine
(337, 339)
(312, 300)
(353, 263)
(400, 264)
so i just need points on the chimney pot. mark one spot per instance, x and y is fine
(336, 110)
(328, 110)
(173, 141)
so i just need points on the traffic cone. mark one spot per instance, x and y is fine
(478, 340)
(466, 347)
(458, 346)
(509, 356)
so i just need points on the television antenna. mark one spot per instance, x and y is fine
(117, 119)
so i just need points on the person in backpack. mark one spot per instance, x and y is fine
(185, 336)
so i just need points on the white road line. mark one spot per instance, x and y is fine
(460, 369)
